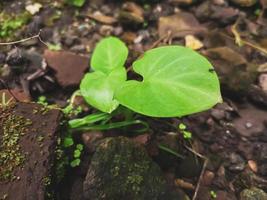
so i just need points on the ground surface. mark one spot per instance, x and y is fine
(232, 34)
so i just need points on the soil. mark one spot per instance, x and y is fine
(227, 153)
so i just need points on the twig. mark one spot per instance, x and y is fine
(25, 40)
(164, 37)
(255, 46)
(202, 171)
(8, 89)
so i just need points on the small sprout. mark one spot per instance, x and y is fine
(187, 135)
(54, 47)
(68, 141)
(77, 153)
(79, 146)
(75, 162)
(42, 100)
(213, 194)
(77, 3)
(182, 126)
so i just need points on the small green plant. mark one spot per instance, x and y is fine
(10, 23)
(187, 135)
(213, 194)
(177, 81)
(42, 100)
(77, 3)
(76, 155)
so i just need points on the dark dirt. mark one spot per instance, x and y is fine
(28, 140)
(231, 33)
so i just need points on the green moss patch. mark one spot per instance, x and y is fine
(13, 128)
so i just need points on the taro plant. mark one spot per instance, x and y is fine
(176, 81)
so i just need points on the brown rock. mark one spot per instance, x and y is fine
(179, 25)
(181, 2)
(69, 67)
(98, 16)
(28, 135)
(131, 13)
(235, 73)
(244, 3)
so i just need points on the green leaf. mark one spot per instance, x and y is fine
(110, 53)
(98, 88)
(177, 81)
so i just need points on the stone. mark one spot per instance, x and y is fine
(237, 163)
(235, 73)
(69, 67)
(244, 3)
(121, 169)
(253, 194)
(131, 13)
(99, 17)
(179, 25)
(28, 138)
(253, 116)
(192, 42)
(182, 2)
(263, 82)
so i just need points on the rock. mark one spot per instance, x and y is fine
(33, 8)
(28, 137)
(179, 25)
(2, 58)
(208, 177)
(236, 75)
(237, 163)
(15, 57)
(225, 195)
(263, 82)
(251, 121)
(257, 96)
(253, 166)
(262, 67)
(131, 13)
(69, 67)
(34, 26)
(182, 2)
(121, 169)
(79, 48)
(263, 169)
(253, 194)
(99, 17)
(244, 3)
(92, 139)
(192, 42)
(221, 12)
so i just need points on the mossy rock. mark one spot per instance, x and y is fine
(120, 169)
(253, 194)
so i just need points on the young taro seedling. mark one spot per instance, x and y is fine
(177, 81)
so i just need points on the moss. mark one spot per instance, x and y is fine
(11, 156)
(121, 169)
(10, 23)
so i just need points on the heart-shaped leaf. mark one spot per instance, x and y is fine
(177, 81)
(110, 53)
(98, 88)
